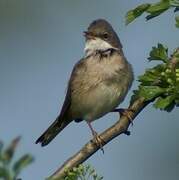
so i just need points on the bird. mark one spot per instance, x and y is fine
(99, 82)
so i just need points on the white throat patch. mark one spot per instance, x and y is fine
(93, 45)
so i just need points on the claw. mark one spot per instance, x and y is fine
(99, 142)
(125, 112)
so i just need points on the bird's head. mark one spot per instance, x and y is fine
(100, 36)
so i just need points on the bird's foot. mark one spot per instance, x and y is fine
(125, 112)
(98, 140)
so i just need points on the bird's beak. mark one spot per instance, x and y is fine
(88, 35)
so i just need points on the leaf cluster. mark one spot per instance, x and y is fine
(160, 83)
(82, 172)
(153, 10)
(177, 21)
(10, 170)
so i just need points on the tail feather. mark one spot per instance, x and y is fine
(57, 126)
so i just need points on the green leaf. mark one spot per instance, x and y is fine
(82, 172)
(1, 147)
(177, 101)
(152, 76)
(134, 13)
(154, 14)
(160, 75)
(158, 8)
(159, 53)
(24, 161)
(164, 102)
(161, 83)
(148, 78)
(150, 92)
(163, 4)
(177, 21)
(4, 174)
(10, 150)
(134, 96)
(174, 3)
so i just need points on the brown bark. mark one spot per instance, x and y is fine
(91, 147)
(120, 127)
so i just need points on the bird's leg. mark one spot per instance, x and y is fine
(97, 138)
(125, 112)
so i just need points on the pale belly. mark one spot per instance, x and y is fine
(98, 101)
(99, 86)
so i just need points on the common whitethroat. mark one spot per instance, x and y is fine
(99, 82)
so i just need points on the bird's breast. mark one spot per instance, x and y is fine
(100, 88)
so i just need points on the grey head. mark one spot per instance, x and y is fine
(102, 29)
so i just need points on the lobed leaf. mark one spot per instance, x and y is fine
(163, 4)
(1, 147)
(158, 8)
(153, 76)
(164, 102)
(159, 53)
(10, 150)
(134, 13)
(174, 3)
(177, 21)
(82, 172)
(4, 174)
(161, 83)
(150, 92)
(23, 162)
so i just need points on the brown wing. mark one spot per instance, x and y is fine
(65, 116)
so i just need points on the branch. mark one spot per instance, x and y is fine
(120, 127)
(91, 147)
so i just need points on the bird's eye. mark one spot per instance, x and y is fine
(105, 35)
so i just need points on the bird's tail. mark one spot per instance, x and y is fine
(58, 125)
